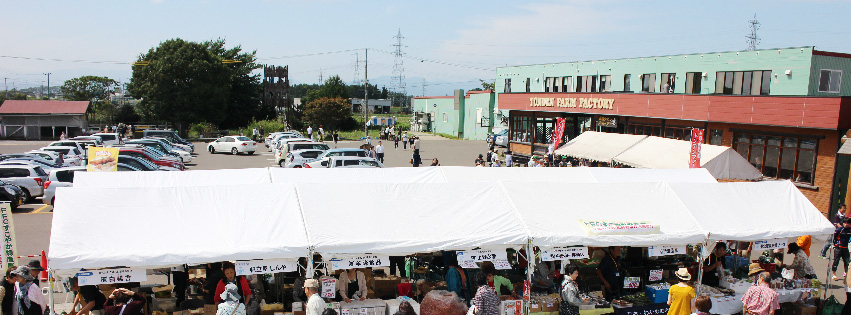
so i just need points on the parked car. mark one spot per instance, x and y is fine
(169, 134)
(273, 142)
(47, 166)
(233, 144)
(141, 164)
(29, 177)
(162, 147)
(281, 143)
(109, 138)
(335, 152)
(145, 154)
(47, 155)
(69, 143)
(501, 138)
(297, 158)
(351, 162)
(13, 194)
(71, 155)
(89, 143)
(64, 177)
(27, 156)
(298, 145)
(174, 144)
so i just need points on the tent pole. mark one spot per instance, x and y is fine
(309, 272)
(50, 298)
(530, 266)
(701, 257)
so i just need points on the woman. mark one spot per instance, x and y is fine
(456, 279)
(570, 300)
(352, 285)
(336, 138)
(124, 302)
(499, 284)
(7, 292)
(801, 264)
(435, 162)
(405, 308)
(681, 296)
(486, 302)
(28, 299)
(231, 278)
(232, 302)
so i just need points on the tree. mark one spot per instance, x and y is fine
(487, 85)
(328, 112)
(88, 88)
(246, 88)
(334, 87)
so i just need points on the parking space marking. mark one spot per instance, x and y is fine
(40, 209)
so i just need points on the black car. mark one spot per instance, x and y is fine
(12, 194)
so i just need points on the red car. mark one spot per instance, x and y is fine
(145, 154)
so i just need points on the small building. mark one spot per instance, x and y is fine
(38, 119)
(467, 116)
(376, 106)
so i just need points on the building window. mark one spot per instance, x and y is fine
(544, 129)
(830, 81)
(669, 81)
(648, 83)
(647, 130)
(626, 79)
(507, 88)
(586, 83)
(521, 130)
(445, 117)
(693, 82)
(566, 83)
(605, 83)
(553, 84)
(678, 133)
(716, 137)
(743, 82)
(528, 85)
(782, 157)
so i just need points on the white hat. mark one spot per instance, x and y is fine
(311, 283)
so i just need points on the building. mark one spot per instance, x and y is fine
(467, 116)
(784, 110)
(376, 106)
(37, 119)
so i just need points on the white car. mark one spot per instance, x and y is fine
(47, 155)
(29, 177)
(501, 138)
(335, 152)
(109, 138)
(296, 159)
(351, 162)
(281, 143)
(298, 145)
(233, 144)
(283, 136)
(71, 155)
(69, 143)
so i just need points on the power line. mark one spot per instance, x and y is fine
(310, 54)
(66, 60)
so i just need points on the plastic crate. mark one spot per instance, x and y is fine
(737, 261)
(656, 296)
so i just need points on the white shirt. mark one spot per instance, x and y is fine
(508, 160)
(417, 144)
(405, 137)
(315, 305)
(379, 148)
(309, 130)
(321, 132)
(226, 309)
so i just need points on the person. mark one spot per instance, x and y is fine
(60, 160)
(486, 302)
(500, 284)
(315, 304)
(496, 163)
(28, 298)
(124, 302)
(479, 160)
(62, 136)
(456, 279)
(395, 142)
(681, 295)
(379, 152)
(254, 134)
(370, 152)
(489, 157)
(405, 141)
(321, 133)
(180, 278)
(435, 162)
(840, 245)
(405, 308)
(542, 279)
(714, 264)
(509, 160)
(329, 311)
(838, 218)
(760, 299)
(214, 275)
(416, 160)
(298, 284)
(310, 132)
(335, 137)
(411, 141)
(35, 269)
(416, 145)
(352, 285)
(133, 131)
(230, 304)
(570, 300)
(89, 297)
(610, 272)
(703, 304)
(7, 292)
(804, 243)
(229, 271)
(369, 140)
(801, 264)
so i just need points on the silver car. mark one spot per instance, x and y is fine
(64, 177)
(297, 158)
(30, 178)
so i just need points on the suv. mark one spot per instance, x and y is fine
(68, 143)
(296, 159)
(352, 162)
(168, 134)
(13, 194)
(71, 155)
(29, 177)
(288, 147)
(60, 177)
(334, 152)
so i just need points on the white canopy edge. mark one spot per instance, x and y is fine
(599, 146)
(663, 153)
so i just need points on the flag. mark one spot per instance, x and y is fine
(558, 132)
(696, 141)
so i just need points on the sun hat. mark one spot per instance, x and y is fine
(23, 272)
(311, 283)
(754, 268)
(683, 274)
(35, 265)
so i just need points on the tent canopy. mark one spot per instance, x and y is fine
(236, 177)
(599, 146)
(660, 153)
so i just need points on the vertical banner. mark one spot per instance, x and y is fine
(102, 159)
(10, 249)
(558, 132)
(696, 141)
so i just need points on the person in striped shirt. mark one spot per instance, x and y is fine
(761, 299)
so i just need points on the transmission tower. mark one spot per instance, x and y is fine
(398, 84)
(753, 39)
(357, 69)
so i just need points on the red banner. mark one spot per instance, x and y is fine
(696, 141)
(527, 290)
(558, 132)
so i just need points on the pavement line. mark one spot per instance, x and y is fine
(39, 209)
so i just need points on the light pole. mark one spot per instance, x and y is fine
(48, 85)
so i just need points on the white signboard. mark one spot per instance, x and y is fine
(329, 288)
(631, 282)
(255, 267)
(599, 227)
(360, 262)
(106, 276)
(501, 264)
(468, 264)
(564, 253)
(777, 243)
(9, 247)
(655, 275)
(665, 250)
(481, 255)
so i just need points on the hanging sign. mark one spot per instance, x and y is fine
(564, 253)
(254, 267)
(360, 262)
(777, 243)
(665, 250)
(107, 276)
(329, 288)
(501, 264)
(631, 282)
(558, 132)
(468, 264)
(655, 275)
(9, 247)
(102, 159)
(696, 141)
(481, 255)
(600, 227)
(527, 290)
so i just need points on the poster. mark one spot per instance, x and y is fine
(631, 282)
(468, 264)
(600, 227)
(564, 253)
(102, 159)
(481, 255)
(253, 267)
(107, 276)
(696, 141)
(329, 288)
(501, 264)
(665, 250)
(10, 248)
(777, 243)
(342, 263)
(655, 275)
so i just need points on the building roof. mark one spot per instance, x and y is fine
(43, 107)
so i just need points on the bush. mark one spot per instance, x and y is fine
(269, 126)
(206, 129)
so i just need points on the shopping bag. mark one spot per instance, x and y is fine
(831, 306)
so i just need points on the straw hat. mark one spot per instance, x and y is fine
(311, 283)
(754, 268)
(683, 274)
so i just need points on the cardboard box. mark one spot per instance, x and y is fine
(550, 307)
(297, 306)
(210, 309)
(535, 307)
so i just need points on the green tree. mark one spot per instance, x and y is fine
(487, 85)
(88, 88)
(328, 112)
(334, 87)
(246, 88)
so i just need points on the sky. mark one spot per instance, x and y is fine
(447, 45)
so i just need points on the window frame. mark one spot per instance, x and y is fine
(507, 87)
(829, 79)
(780, 148)
(648, 87)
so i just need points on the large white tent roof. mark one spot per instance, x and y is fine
(661, 153)
(599, 146)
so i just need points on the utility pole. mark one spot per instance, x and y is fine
(423, 87)
(365, 91)
(6, 87)
(48, 85)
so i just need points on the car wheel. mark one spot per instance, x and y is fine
(52, 201)
(27, 196)
(297, 166)
(283, 163)
(234, 151)
(250, 152)
(211, 149)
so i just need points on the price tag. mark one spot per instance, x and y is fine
(770, 244)
(501, 264)
(631, 282)
(352, 262)
(481, 255)
(468, 265)
(329, 287)
(254, 267)
(655, 275)
(106, 276)
(665, 250)
(345, 311)
(363, 311)
(564, 253)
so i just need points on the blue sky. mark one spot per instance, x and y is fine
(449, 44)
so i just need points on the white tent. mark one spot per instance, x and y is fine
(248, 176)
(357, 175)
(660, 153)
(599, 146)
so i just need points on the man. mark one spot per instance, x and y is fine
(840, 245)
(542, 279)
(310, 132)
(714, 264)
(610, 271)
(509, 160)
(315, 304)
(760, 299)
(405, 141)
(254, 134)
(489, 157)
(379, 151)
(838, 218)
(262, 132)
(321, 133)
(89, 297)
(35, 269)
(416, 145)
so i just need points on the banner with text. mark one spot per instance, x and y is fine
(696, 141)
(665, 250)
(558, 132)
(342, 263)
(254, 267)
(777, 243)
(10, 248)
(107, 276)
(564, 253)
(599, 227)
(481, 255)
(102, 159)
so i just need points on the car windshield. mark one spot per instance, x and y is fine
(311, 154)
(243, 139)
(63, 151)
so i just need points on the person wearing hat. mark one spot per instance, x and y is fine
(714, 264)
(230, 304)
(28, 299)
(753, 270)
(681, 296)
(35, 269)
(315, 304)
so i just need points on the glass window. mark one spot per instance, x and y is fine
(779, 157)
(626, 79)
(669, 82)
(829, 81)
(719, 82)
(693, 82)
(716, 137)
(728, 82)
(566, 83)
(766, 83)
(507, 88)
(746, 83)
(605, 83)
(528, 85)
(648, 83)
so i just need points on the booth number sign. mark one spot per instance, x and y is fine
(665, 250)
(481, 255)
(565, 253)
(655, 275)
(776, 243)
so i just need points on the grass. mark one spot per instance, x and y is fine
(448, 136)
(356, 134)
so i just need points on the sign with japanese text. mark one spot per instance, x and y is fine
(776, 243)
(468, 264)
(655, 275)
(254, 267)
(10, 248)
(481, 255)
(564, 253)
(600, 227)
(652, 309)
(696, 142)
(558, 132)
(501, 264)
(665, 250)
(631, 282)
(329, 288)
(107, 276)
(360, 262)
(527, 290)
(102, 159)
